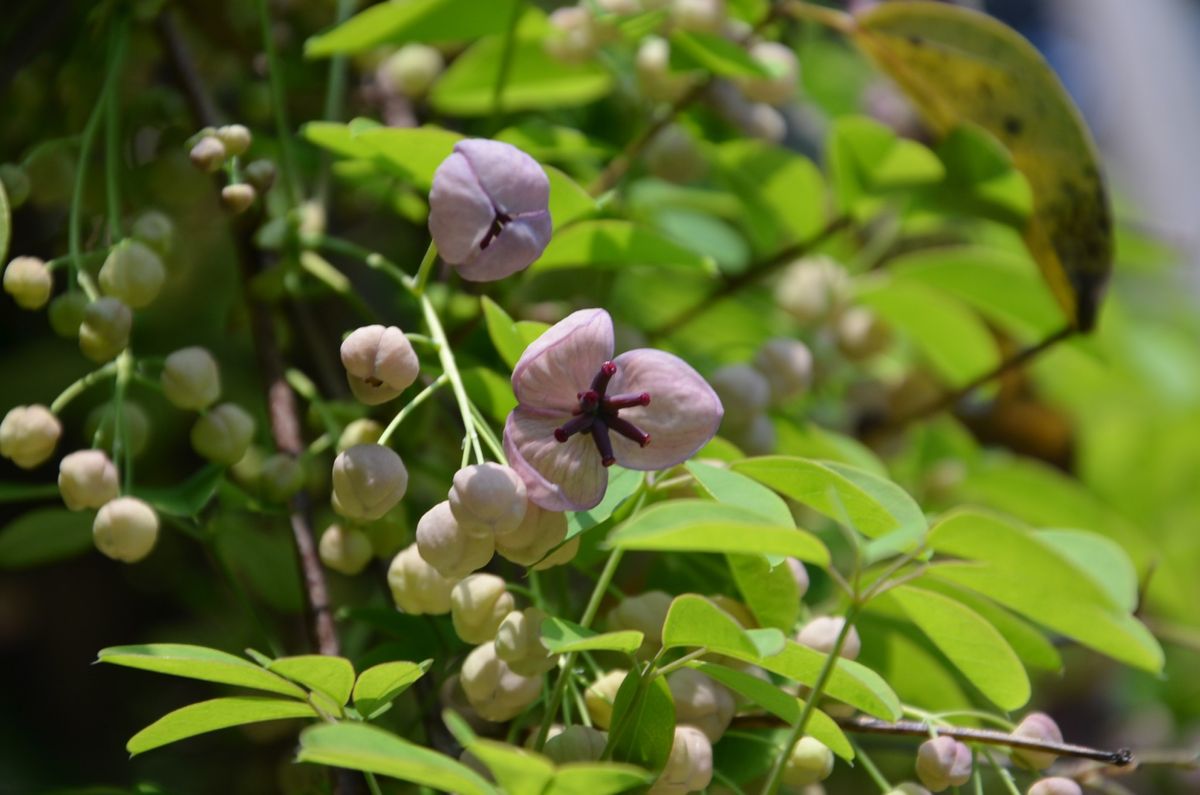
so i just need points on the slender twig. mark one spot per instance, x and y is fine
(872, 770)
(411, 406)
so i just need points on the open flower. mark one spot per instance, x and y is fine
(488, 209)
(580, 411)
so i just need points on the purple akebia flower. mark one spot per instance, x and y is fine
(488, 209)
(580, 411)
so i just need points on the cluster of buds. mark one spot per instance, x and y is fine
(494, 690)
(816, 291)
(943, 762)
(519, 642)
(781, 370)
(576, 743)
(821, 634)
(216, 148)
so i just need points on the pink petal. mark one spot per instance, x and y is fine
(460, 212)
(519, 243)
(683, 415)
(563, 361)
(514, 181)
(558, 476)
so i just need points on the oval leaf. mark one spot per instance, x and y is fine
(43, 536)
(333, 676)
(617, 243)
(643, 723)
(696, 622)
(564, 637)
(198, 662)
(380, 684)
(209, 716)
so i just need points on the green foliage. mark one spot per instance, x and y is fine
(198, 662)
(564, 637)
(379, 685)
(401, 21)
(209, 716)
(43, 536)
(643, 723)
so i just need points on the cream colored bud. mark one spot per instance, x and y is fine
(1056, 786)
(602, 694)
(539, 532)
(799, 574)
(87, 479)
(646, 613)
(943, 763)
(493, 689)
(810, 761)
(821, 634)
(417, 588)
(861, 334)
(689, 768)
(238, 197)
(787, 365)
(235, 138)
(191, 379)
(223, 434)
(779, 87)
(28, 281)
(519, 642)
(101, 426)
(705, 16)
(488, 499)
(908, 788)
(281, 478)
(411, 70)
(249, 468)
(1041, 727)
(156, 230)
(104, 332)
(208, 154)
(28, 435)
(447, 547)
(620, 7)
(368, 481)
(812, 289)
(364, 431)
(477, 606)
(345, 549)
(744, 392)
(653, 64)
(66, 314)
(380, 363)
(133, 273)
(559, 557)
(701, 702)
(260, 174)
(573, 37)
(125, 529)
(673, 155)
(576, 743)
(454, 699)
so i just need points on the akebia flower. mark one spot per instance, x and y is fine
(488, 210)
(580, 410)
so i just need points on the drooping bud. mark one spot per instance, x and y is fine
(701, 702)
(281, 477)
(861, 334)
(478, 604)
(812, 289)
(493, 689)
(238, 197)
(235, 138)
(208, 154)
(799, 574)
(260, 174)
(368, 481)
(87, 479)
(787, 365)
(101, 426)
(28, 281)
(66, 314)
(810, 761)
(673, 155)
(104, 332)
(411, 69)
(1041, 727)
(133, 273)
(689, 768)
(28, 435)
(1056, 786)
(345, 549)
(573, 37)
(380, 363)
(822, 633)
(125, 529)
(646, 613)
(539, 532)
(191, 379)
(559, 557)
(223, 434)
(519, 642)
(488, 499)
(602, 694)
(943, 763)
(576, 743)
(908, 788)
(780, 61)
(744, 392)
(447, 547)
(417, 588)
(756, 438)
(364, 431)
(156, 230)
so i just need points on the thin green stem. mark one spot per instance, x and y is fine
(112, 153)
(1002, 772)
(371, 259)
(290, 178)
(122, 450)
(872, 771)
(489, 436)
(372, 784)
(426, 268)
(506, 59)
(450, 370)
(335, 96)
(675, 665)
(412, 405)
(82, 385)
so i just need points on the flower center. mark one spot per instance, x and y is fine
(493, 232)
(597, 414)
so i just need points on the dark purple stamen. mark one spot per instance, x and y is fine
(597, 414)
(494, 230)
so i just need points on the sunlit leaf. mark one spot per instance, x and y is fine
(198, 662)
(380, 684)
(643, 722)
(43, 536)
(400, 21)
(333, 676)
(562, 637)
(209, 716)
(616, 243)
(694, 621)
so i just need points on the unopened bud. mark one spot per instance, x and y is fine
(87, 479)
(281, 478)
(223, 434)
(101, 426)
(1041, 727)
(653, 63)
(602, 694)
(799, 574)
(942, 763)
(411, 70)
(28, 281)
(66, 314)
(493, 689)
(787, 365)
(810, 761)
(417, 588)
(812, 289)
(576, 743)
(744, 392)
(133, 273)
(345, 549)
(908, 788)
(673, 155)
(861, 334)
(488, 499)
(368, 481)
(364, 431)
(559, 557)
(701, 702)
(447, 547)
(573, 37)
(646, 613)
(104, 332)
(477, 606)
(689, 768)
(16, 184)
(822, 633)
(191, 379)
(28, 435)
(780, 86)
(238, 197)
(1056, 786)
(261, 174)
(125, 529)
(755, 438)
(208, 154)
(380, 363)
(235, 138)
(519, 642)
(156, 230)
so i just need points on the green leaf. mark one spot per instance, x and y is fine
(704, 526)
(867, 161)
(850, 683)
(44, 535)
(413, 153)
(209, 716)
(643, 723)
(622, 484)
(490, 391)
(401, 21)
(769, 591)
(981, 181)
(714, 53)
(563, 637)
(809, 440)
(361, 747)
(186, 499)
(503, 331)
(198, 662)
(333, 676)
(517, 770)
(783, 194)
(975, 647)
(693, 621)
(597, 778)
(612, 242)
(733, 488)
(1102, 559)
(379, 685)
(27, 492)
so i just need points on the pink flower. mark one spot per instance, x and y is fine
(580, 411)
(488, 209)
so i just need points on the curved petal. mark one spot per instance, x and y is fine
(561, 363)
(513, 180)
(460, 212)
(683, 415)
(518, 245)
(558, 476)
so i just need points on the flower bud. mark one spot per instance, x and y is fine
(780, 61)
(861, 334)
(810, 761)
(1055, 786)
(908, 788)
(235, 138)
(364, 431)
(417, 588)
(454, 699)
(223, 434)
(559, 557)
(190, 379)
(822, 633)
(249, 468)
(66, 314)
(28, 435)
(1041, 727)
(488, 499)
(493, 689)
(16, 184)
(787, 365)
(477, 606)
(653, 63)
(132, 273)
(345, 549)
(764, 122)
(756, 438)
(411, 70)
(260, 174)
(799, 574)
(125, 529)
(368, 481)
(87, 479)
(943, 763)
(104, 332)
(380, 363)
(673, 155)
(156, 230)
(519, 642)
(646, 613)
(238, 197)
(447, 547)
(701, 702)
(208, 154)
(28, 281)
(700, 15)
(744, 392)
(576, 743)
(812, 288)
(280, 478)
(101, 426)
(573, 37)
(689, 767)
(601, 695)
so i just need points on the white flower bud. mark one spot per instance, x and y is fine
(345, 549)
(125, 529)
(519, 642)
(764, 122)
(744, 392)
(260, 174)
(417, 588)
(861, 334)
(102, 421)
(66, 314)
(646, 613)
(280, 478)
(701, 702)
(559, 557)
(155, 229)
(238, 197)
(821, 634)
(756, 438)
(368, 481)
(701, 15)
(493, 689)
(799, 574)
(133, 273)
(380, 363)
(223, 434)
(411, 70)
(689, 767)
(364, 431)
(1055, 786)
(813, 288)
(447, 547)
(576, 743)
(602, 694)
(573, 37)
(477, 606)
(191, 379)
(810, 761)
(787, 366)
(674, 156)
(28, 435)
(488, 499)
(105, 329)
(539, 532)
(208, 154)
(454, 699)
(235, 138)
(908, 788)
(780, 87)
(653, 63)
(28, 281)
(87, 479)
(943, 763)
(1041, 727)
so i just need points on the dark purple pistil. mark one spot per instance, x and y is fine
(597, 415)
(495, 229)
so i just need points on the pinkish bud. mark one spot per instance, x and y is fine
(787, 365)
(380, 363)
(539, 532)
(488, 499)
(447, 547)
(701, 702)
(478, 604)
(87, 479)
(1041, 727)
(744, 391)
(238, 197)
(519, 642)
(493, 689)
(1056, 786)
(208, 154)
(943, 763)
(689, 768)
(646, 613)
(368, 481)
(417, 588)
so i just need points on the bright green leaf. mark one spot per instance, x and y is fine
(643, 723)
(44, 535)
(401, 21)
(714, 53)
(782, 193)
(622, 484)
(850, 683)
(809, 440)
(333, 676)
(616, 243)
(186, 499)
(1101, 559)
(198, 662)
(733, 488)
(490, 391)
(769, 591)
(503, 332)
(563, 637)
(695, 622)
(380, 684)
(209, 716)
(597, 778)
